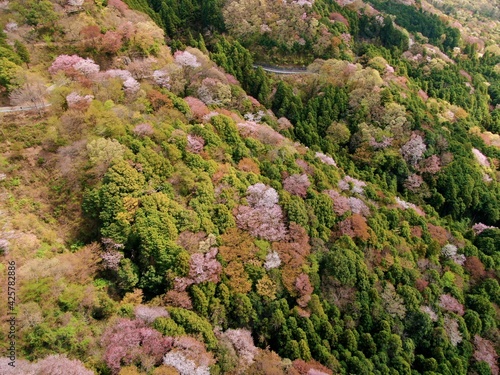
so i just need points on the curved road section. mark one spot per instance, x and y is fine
(23, 108)
(279, 70)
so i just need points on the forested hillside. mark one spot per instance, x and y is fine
(168, 207)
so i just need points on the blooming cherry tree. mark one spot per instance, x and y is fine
(297, 184)
(485, 351)
(195, 143)
(328, 160)
(414, 149)
(77, 101)
(272, 260)
(479, 228)
(450, 303)
(186, 59)
(87, 67)
(480, 158)
(263, 217)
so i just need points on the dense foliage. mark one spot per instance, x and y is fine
(178, 211)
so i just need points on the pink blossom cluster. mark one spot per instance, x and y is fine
(485, 351)
(209, 115)
(284, 123)
(111, 259)
(242, 342)
(198, 108)
(430, 312)
(202, 268)
(328, 160)
(384, 143)
(213, 91)
(413, 182)
(263, 217)
(431, 165)
(341, 204)
(186, 59)
(67, 64)
(450, 303)
(143, 130)
(414, 149)
(77, 101)
(130, 84)
(451, 328)
(297, 184)
(75, 3)
(481, 158)
(256, 117)
(303, 3)
(261, 132)
(148, 314)
(479, 228)
(184, 365)
(189, 357)
(11, 27)
(272, 260)
(162, 78)
(56, 364)
(264, 28)
(304, 166)
(131, 342)
(352, 184)
(195, 143)
(357, 206)
(407, 205)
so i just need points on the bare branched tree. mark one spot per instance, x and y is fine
(30, 94)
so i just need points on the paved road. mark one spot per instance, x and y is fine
(21, 108)
(278, 70)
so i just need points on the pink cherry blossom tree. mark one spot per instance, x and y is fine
(328, 160)
(202, 268)
(450, 303)
(263, 217)
(77, 101)
(479, 228)
(451, 328)
(431, 165)
(485, 351)
(143, 130)
(186, 59)
(195, 143)
(131, 342)
(148, 314)
(414, 149)
(64, 63)
(297, 184)
(480, 158)
(242, 342)
(198, 108)
(413, 182)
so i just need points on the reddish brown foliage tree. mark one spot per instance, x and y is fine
(421, 284)
(248, 165)
(158, 100)
(475, 267)
(178, 299)
(438, 233)
(355, 227)
(293, 255)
